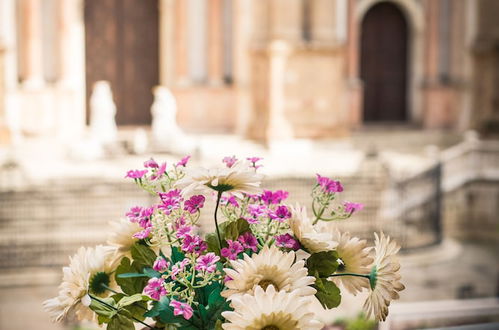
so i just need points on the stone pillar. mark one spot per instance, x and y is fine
(354, 84)
(65, 49)
(166, 42)
(278, 127)
(181, 54)
(31, 37)
(286, 20)
(215, 42)
(322, 21)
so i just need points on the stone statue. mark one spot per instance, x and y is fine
(167, 135)
(102, 112)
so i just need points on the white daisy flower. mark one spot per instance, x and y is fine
(269, 267)
(385, 278)
(353, 257)
(121, 236)
(87, 270)
(240, 178)
(271, 309)
(311, 239)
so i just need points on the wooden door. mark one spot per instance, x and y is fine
(384, 63)
(121, 38)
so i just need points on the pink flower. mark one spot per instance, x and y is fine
(328, 185)
(183, 161)
(161, 170)
(178, 268)
(257, 210)
(232, 250)
(287, 241)
(134, 214)
(254, 160)
(135, 174)
(180, 308)
(151, 163)
(193, 204)
(229, 161)
(142, 234)
(183, 231)
(248, 241)
(160, 264)
(171, 200)
(229, 200)
(251, 220)
(352, 207)
(194, 244)
(276, 197)
(155, 288)
(280, 214)
(207, 262)
(179, 222)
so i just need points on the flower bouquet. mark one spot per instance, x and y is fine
(262, 267)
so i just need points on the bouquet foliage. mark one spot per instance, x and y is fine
(263, 267)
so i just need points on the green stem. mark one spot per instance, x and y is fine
(108, 288)
(219, 195)
(351, 274)
(116, 309)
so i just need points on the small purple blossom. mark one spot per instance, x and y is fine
(160, 264)
(287, 241)
(280, 214)
(178, 268)
(183, 161)
(155, 288)
(171, 200)
(229, 200)
(151, 163)
(253, 161)
(248, 241)
(194, 244)
(142, 234)
(276, 197)
(229, 161)
(328, 185)
(160, 171)
(257, 210)
(134, 214)
(183, 231)
(135, 174)
(193, 204)
(180, 308)
(351, 207)
(251, 220)
(207, 262)
(232, 250)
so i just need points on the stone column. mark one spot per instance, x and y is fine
(215, 42)
(181, 54)
(278, 127)
(354, 84)
(166, 41)
(31, 38)
(285, 20)
(65, 49)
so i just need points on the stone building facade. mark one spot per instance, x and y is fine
(264, 69)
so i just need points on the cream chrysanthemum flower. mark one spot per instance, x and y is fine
(121, 236)
(309, 237)
(87, 270)
(271, 309)
(269, 267)
(384, 278)
(240, 178)
(353, 257)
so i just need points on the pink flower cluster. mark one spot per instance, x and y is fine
(287, 241)
(328, 185)
(141, 216)
(245, 241)
(351, 207)
(180, 308)
(155, 288)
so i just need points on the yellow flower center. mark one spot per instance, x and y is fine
(275, 321)
(265, 283)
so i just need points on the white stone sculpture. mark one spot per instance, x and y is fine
(167, 135)
(102, 113)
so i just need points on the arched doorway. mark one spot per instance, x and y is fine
(383, 63)
(121, 46)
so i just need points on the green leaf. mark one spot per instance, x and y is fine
(125, 301)
(129, 285)
(213, 245)
(177, 255)
(327, 293)
(218, 325)
(233, 229)
(216, 305)
(132, 275)
(143, 254)
(324, 263)
(163, 309)
(105, 313)
(136, 310)
(120, 322)
(149, 272)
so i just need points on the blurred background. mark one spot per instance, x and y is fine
(398, 99)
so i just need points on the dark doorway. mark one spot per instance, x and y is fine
(383, 63)
(121, 40)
